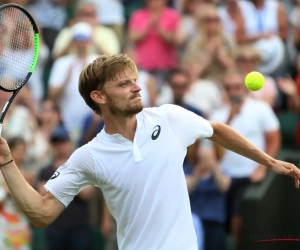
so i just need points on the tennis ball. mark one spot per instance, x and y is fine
(254, 81)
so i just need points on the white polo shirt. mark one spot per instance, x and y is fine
(254, 120)
(142, 181)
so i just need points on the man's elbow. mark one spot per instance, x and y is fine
(41, 222)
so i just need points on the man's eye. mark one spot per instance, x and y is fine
(123, 84)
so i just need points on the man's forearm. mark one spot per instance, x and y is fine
(26, 198)
(228, 138)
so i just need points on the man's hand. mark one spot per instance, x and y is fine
(281, 167)
(5, 154)
(259, 174)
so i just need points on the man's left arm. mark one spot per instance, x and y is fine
(272, 140)
(228, 138)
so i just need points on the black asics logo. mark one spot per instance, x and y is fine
(55, 175)
(156, 132)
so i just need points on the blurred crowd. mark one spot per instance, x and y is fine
(192, 53)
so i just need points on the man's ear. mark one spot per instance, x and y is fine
(98, 96)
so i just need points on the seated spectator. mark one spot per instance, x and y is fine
(48, 118)
(71, 230)
(63, 81)
(176, 90)
(189, 26)
(212, 50)
(104, 40)
(271, 20)
(201, 94)
(247, 60)
(207, 187)
(152, 30)
(233, 15)
(241, 111)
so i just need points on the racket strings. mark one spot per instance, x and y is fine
(16, 47)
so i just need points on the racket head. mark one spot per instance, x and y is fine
(19, 47)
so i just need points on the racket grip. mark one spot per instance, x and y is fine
(0, 129)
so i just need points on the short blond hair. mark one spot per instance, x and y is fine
(105, 68)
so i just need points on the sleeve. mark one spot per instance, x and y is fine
(269, 119)
(186, 125)
(73, 176)
(61, 42)
(58, 73)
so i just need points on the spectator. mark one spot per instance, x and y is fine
(248, 58)
(189, 25)
(241, 111)
(271, 20)
(179, 83)
(212, 50)
(71, 230)
(207, 187)
(153, 31)
(201, 94)
(49, 118)
(233, 14)
(104, 40)
(64, 80)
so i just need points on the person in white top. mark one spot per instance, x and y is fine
(136, 160)
(63, 80)
(255, 120)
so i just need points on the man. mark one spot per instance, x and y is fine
(63, 81)
(130, 161)
(255, 120)
(67, 232)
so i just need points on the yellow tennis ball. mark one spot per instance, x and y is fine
(254, 81)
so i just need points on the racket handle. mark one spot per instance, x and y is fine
(0, 128)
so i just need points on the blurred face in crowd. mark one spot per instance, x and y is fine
(121, 96)
(63, 149)
(235, 88)
(191, 6)
(49, 113)
(248, 62)
(156, 5)
(87, 13)
(81, 46)
(211, 22)
(179, 83)
(18, 153)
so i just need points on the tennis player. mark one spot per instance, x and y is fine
(136, 160)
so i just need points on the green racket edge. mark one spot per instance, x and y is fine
(36, 51)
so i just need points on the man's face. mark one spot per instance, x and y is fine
(122, 96)
(179, 84)
(235, 88)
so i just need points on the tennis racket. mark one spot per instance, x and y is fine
(19, 48)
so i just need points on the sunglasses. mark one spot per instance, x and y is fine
(235, 86)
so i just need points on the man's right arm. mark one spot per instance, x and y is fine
(41, 211)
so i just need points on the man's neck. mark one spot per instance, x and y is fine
(125, 126)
